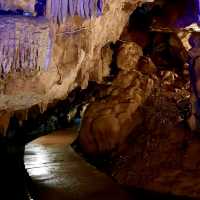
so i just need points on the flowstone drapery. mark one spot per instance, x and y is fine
(24, 44)
(59, 10)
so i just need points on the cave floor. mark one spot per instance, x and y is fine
(59, 173)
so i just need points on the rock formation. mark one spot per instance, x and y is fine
(108, 122)
(141, 138)
(138, 119)
(76, 57)
(26, 47)
(128, 56)
(59, 11)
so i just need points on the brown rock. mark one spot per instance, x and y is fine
(160, 155)
(76, 57)
(108, 122)
(128, 56)
(191, 159)
(4, 122)
(146, 66)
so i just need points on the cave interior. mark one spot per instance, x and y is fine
(127, 127)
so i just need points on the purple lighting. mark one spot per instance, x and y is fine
(23, 46)
(198, 6)
(60, 10)
(191, 14)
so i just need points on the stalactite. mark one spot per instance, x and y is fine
(24, 44)
(43, 107)
(86, 8)
(72, 6)
(99, 7)
(59, 10)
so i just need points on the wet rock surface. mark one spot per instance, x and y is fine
(59, 173)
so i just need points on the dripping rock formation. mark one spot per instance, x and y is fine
(147, 143)
(108, 122)
(59, 11)
(75, 51)
(24, 44)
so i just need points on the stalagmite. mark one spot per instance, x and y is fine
(59, 10)
(24, 44)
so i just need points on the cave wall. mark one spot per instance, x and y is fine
(76, 57)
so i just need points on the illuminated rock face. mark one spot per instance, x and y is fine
(128, 56)
(108, 122)
(23, 44)
(75, 49)
(57, 10)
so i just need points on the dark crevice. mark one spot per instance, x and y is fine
(40, 7)
(54, 118)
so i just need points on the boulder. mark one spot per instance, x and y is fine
(109, 121)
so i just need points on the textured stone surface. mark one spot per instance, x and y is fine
(128, 56)
(108, 122)
(160, 154)
(76, 57)
(24, 44)
(164, 161)
(146, 66)
(61, 10)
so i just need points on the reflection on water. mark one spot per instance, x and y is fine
(59, 173)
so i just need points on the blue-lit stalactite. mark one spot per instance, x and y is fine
(82, 8)
(58, 11)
